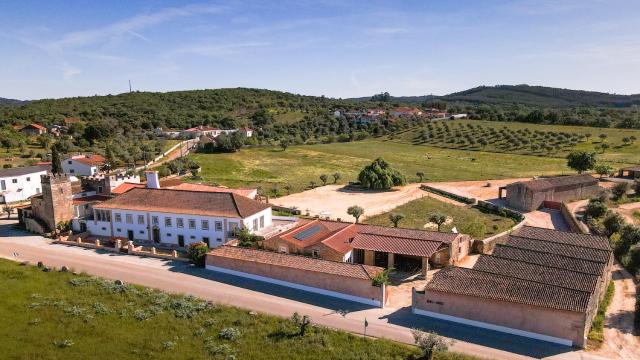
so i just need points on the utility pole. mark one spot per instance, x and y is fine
(129, 85)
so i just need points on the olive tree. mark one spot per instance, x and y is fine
(355, 211)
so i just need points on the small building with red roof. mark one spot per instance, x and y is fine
(33, 129)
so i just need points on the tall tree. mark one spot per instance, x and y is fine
(56, 161)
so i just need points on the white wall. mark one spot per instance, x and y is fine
(249, 221)
(71, 166)
(23, 187)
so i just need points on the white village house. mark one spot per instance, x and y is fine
(177, 217)
(18, 184)
(83, 165)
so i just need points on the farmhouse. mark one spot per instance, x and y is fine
(83, 165)
(531, 195)
(630, 172)
(18, 184)
(541, 283)
(402, 249)
(34, 129)
(176, 217)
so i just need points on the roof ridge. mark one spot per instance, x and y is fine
(525, 280)
(410, 229)
(563, 231)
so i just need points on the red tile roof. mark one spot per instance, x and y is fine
(565, 237)
(90, 199)
(209, 188)
(35, 126)
(185, 202)
(357, 271)
(90, 159)
(486, 285)
(396, 245)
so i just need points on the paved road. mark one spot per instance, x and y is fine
(181, 278)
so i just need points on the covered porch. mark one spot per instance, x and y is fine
(404, 263)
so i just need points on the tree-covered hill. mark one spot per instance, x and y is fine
(4, 101)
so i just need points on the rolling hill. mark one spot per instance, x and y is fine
(4, 101)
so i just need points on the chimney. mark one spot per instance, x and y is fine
(152, 180)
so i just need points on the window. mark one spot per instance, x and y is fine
(206, 241)
(69, 162)
(205, 224)
(3, 185)
(141, 231)
(104, 229)
(261, 221)
(119, 230)
(167, 222)
(140, 219)
(192, 224)
(180, 222)
(192, 237)
(118, 218)
(15, 181)
(100, 189)
(154, 220)
(129, 218)
(255, 224)
(218, 225)
(219, 239)
(315, 253)
(181, 240)
(28, 178)
(168, 234)
(38, 190)
(283, 249)
(72, 171)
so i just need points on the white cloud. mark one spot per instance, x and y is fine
(217, 50)
(69, 71)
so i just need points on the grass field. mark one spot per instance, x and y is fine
(618, 152)
(54, 315)
(298, 165)
(417, 213)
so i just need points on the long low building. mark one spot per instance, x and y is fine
(531, 195)
(177, 217)
(541, 283)
(353, 282)
(407, 250)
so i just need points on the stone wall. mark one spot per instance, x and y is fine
(361, 288)
(550, 322)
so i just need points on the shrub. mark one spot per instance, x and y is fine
(619, 190)
(247, 239)
(380, 175)
(381, 278)
(229, 334)
(595, 209)
(477, 229)
(197, 253)
(612, 223)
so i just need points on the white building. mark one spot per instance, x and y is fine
(18, 184)
(177, 217)
(83, 165)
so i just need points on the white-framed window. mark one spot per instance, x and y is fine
(261, 221)
(15, 181)
(129, 218)
(167, 222)
(218, 225)
(315, 253)
(205, 224)
(255, 224)
(118, 217)
(3, 185)
(180, 222)
(140, 219)
(154, 220)
(192, 224)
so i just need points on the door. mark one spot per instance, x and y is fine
(156, 235)
(130, 235)
(181, 240)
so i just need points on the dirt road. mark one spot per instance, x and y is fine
(620, 342)
(391, 323)
(333, 200)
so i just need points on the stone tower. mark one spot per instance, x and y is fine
(57, 199)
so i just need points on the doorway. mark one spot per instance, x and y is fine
(381, 259)
(181, 240)
(130, 235)
(156, 235)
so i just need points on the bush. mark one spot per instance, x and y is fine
(612, 223)
(197, 253)
(247, 239)
(619, 190)
(595, 209)
(477, 229)
(381, 278)
(229, 334)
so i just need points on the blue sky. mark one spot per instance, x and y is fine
(332, 47)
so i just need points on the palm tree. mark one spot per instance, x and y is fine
(395, 218)
(355, 211)
(438, 219)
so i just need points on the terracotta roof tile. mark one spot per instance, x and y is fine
(407, 233)
(486, 285)
(90, 159)
(209, 188)
(559, 248)
(89, 199)
(396, 245)
(538, 273)
(185, 202)
(565, 237)
(547, 259)
(358, 271)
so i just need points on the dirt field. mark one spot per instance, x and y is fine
(333, 200)
(627, 211)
